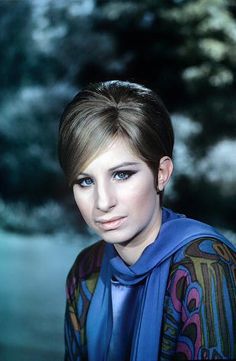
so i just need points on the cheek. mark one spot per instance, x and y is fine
(140, 198)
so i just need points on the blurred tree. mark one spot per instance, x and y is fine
(16, 45)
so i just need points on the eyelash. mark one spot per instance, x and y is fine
(82, 180)
(126, 175)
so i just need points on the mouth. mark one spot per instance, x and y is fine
(111, 224)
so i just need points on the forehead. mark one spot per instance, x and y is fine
(118, 151)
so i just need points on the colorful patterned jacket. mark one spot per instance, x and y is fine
(199, 319)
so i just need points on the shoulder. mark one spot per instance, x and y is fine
(89, 260)
(200, 299)
(205, 249)
(86, 266)
(201, 263)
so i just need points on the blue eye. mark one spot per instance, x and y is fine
(85, 182)
(122, 175)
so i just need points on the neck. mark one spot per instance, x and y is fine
(131, 250)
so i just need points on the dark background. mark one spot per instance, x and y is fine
(184, 50)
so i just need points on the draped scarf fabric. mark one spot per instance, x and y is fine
(152, 268)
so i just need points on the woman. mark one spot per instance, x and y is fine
(158, 286)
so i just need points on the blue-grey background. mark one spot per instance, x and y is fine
(49, 49)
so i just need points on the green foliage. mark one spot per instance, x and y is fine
(28, 128)
(46, 218)
(15, 44)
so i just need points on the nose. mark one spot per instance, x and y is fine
(105, 197)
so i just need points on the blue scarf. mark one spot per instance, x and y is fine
(153, 269)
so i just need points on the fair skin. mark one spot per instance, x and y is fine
(117, 197)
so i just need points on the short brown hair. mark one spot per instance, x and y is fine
(109, 109)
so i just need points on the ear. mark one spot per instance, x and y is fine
(164, 172)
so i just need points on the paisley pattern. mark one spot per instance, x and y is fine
(199, 319)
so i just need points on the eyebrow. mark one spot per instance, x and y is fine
(124, 164)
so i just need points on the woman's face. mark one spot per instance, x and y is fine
(117, 197)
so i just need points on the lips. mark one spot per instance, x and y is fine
(110, 224)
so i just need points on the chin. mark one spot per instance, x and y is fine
(118, 239)
(114, 240)
(114, 237)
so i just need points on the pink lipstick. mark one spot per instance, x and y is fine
(111, 224)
